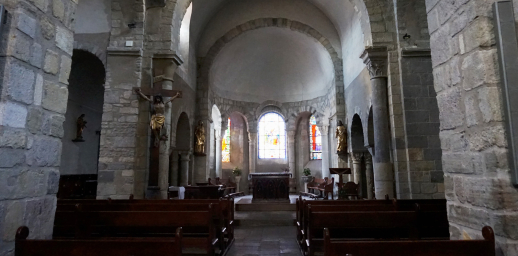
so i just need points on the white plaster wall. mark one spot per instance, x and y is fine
(93, 16)
(272, 64)
(237, 12)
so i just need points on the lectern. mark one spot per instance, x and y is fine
(340, 171)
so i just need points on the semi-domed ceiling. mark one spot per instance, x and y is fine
(272, 64)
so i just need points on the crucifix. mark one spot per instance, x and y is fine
(155, 96)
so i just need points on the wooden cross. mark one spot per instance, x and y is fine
(154, 166)
(158, 90)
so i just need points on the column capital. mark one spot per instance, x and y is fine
(368, 158)
(324, 130)
(376, 59)
(356, 157)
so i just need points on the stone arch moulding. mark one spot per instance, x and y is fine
(225, 115)
(176, 118)
(295, 116)
(93, 49)
(270, 106)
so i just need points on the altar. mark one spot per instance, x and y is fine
(268, 187)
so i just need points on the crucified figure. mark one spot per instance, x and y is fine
(158, 118)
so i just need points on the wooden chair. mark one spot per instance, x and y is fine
(350, 189)
(227, 185)
(327, 187)
(313, 185)
(98, 247)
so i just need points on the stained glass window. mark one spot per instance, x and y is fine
(272, 137)
(225, 145)
(315, 139)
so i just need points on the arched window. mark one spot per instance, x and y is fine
(225, 145)
(315, 139)
(272, 137)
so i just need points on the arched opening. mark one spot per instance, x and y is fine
(272, 137)
(185, 37)
(180, 157)
(315, 140)
(215, 147)
(81, 127)
(358, 151)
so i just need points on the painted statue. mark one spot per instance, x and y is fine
(157, 119)
(200, 138)
(81, 125)
(341, 135)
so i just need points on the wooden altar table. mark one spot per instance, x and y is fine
(270, 187)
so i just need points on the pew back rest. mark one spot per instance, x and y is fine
(388, 224)
(118, 247)
(484, 247)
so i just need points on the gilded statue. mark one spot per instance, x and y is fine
(81, 125)
(157, 119)
(341, 135)
(200, 139)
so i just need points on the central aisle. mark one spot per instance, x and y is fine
(265, 241)
(264, 230)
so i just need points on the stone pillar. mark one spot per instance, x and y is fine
(324, 130)
(173, 174)
(218, 137)
(369, 175)
(252, 144)
(291, 152)
(376, 60)
(165, 65)
(357, 167)
(184, 172)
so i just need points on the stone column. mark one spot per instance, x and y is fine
(324, 130)
(218, 138)
(252, 145)
(173, 174)
(184, 172)
(357, 167)
(165, 65)
(376, 60)
(369, 175)
(291, 152)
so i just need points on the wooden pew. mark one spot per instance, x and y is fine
(484, 247)
(359, 225)
(198, 227)
(226, 205)
(104, 247)
(301, 209)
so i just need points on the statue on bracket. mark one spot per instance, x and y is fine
(158, 118)
(341, 135)
(199, 150)
(80, 126)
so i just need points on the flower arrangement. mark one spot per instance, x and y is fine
(236, 171)
(306, 172)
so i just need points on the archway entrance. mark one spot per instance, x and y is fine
(80, 154)
(180, 157)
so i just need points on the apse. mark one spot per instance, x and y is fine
(272, 64)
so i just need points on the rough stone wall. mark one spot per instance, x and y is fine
(421, 122)
(477, 179)
(119, 169)
(36, 49)
(417, 152)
